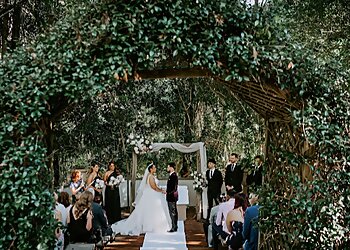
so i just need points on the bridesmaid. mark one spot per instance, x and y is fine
(112, 197)
(93, 176)
(76, 184)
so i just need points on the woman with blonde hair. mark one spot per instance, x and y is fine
(80, 219)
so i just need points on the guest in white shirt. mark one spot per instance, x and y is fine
(219, 227)
(59, 207)
(212, 218)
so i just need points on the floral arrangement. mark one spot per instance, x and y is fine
(141, 145)
(99, 184)
(115, 181)
(199, 181)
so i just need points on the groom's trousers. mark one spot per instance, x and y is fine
(173, 214)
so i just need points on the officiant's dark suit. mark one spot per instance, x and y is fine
(214, 180)
(172, 195)
(234, 174)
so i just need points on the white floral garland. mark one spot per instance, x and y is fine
(142, 145)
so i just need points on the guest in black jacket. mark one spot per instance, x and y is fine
(234, 174)
(214, 179)
(172, 195)
(99, 221)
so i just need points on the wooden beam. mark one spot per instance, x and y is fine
(269, 99)
(171, 73)
(133, 180)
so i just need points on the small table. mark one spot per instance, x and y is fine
(183, 202)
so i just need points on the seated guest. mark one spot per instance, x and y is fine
(250, 226)
(219, 227)
(212, 219)
(58, 232)
(234, 223)
(63, 212)
(63, 198)
(99, 222)
(79, 219)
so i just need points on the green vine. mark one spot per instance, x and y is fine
(106, 42)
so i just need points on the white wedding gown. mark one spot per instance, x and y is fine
(151, 214)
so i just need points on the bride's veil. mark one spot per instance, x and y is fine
(142, 185)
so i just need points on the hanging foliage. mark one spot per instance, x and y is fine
(102, 43)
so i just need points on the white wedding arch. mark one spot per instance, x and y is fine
(198, 147)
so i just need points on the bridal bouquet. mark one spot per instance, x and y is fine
(99, 184)
(199, 181)
(115, 181)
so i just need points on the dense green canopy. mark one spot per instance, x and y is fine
(105, 42)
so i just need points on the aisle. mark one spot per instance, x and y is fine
(166, 241)
(194, 234)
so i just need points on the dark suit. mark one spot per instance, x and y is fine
(250, 227)
(214, 187)
(234, 177)
(255, 178)
(172, 197)
(99, 220)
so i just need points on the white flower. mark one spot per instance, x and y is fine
(99, 184)
(150, 147)
(116, 181)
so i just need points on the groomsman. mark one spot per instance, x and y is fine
(233, 174)
(255, 178)
(214, 179)
(172, 195)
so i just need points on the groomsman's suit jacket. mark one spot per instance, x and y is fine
(172, 194)
(214, 183)
(234, 178)
(255, 178)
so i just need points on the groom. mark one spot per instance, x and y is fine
(172, 195)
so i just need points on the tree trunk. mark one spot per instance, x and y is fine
(16, 25)
(4, 30)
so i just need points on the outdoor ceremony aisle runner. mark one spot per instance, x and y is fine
(166, 241)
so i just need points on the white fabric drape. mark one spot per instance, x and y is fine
(194, 147)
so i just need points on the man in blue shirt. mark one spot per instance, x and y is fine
(250, 225)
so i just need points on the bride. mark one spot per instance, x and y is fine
(151, 212)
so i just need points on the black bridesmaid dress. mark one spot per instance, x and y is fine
(112, 201)
(98, 195)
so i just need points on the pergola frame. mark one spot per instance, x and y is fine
(198, 147)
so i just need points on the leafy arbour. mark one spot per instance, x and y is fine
(99, 43)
